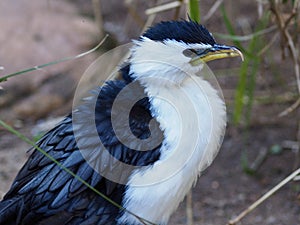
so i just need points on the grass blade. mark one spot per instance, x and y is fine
(194, 10)
(6, 77)
(230, 29)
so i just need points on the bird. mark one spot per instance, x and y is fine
(140, 140)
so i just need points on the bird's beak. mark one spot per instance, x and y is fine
(216, 52)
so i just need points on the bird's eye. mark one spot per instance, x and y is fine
(190, 52)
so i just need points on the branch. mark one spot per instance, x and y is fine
(264, 197)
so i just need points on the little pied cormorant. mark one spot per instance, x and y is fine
(163, 64)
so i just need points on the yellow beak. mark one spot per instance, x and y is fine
(216, 52)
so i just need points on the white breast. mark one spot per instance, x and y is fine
(193, 119)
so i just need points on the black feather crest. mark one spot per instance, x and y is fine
(186, 31)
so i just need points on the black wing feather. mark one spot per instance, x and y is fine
(43, 193)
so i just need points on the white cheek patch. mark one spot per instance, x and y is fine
(164, 60)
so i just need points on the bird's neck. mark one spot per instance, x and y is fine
(192, 117)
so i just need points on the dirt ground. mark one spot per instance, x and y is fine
(224, 189)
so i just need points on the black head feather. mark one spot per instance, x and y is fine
(185, 31)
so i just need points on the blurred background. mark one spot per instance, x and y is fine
(261, 146)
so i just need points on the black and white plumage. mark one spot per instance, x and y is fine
(163, 62)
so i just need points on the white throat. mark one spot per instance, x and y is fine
(193, 119)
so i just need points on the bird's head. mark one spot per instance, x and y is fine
(168, 48)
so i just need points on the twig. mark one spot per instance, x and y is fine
(4, 78)
(212, 10)
(149, 22)
(285, 33)
(260, 9)
(177, 10)
(164, 7)
(133, 12)
(283, 25)
(264, 197)
(246, 37)
(262, 156)
(290, 109)
(189, 208)
(271, 42)
(150, 19)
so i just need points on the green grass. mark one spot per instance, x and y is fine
(244, 93)
(194, 10)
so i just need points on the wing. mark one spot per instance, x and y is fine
(43, 193)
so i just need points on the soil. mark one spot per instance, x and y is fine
(226, 187)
